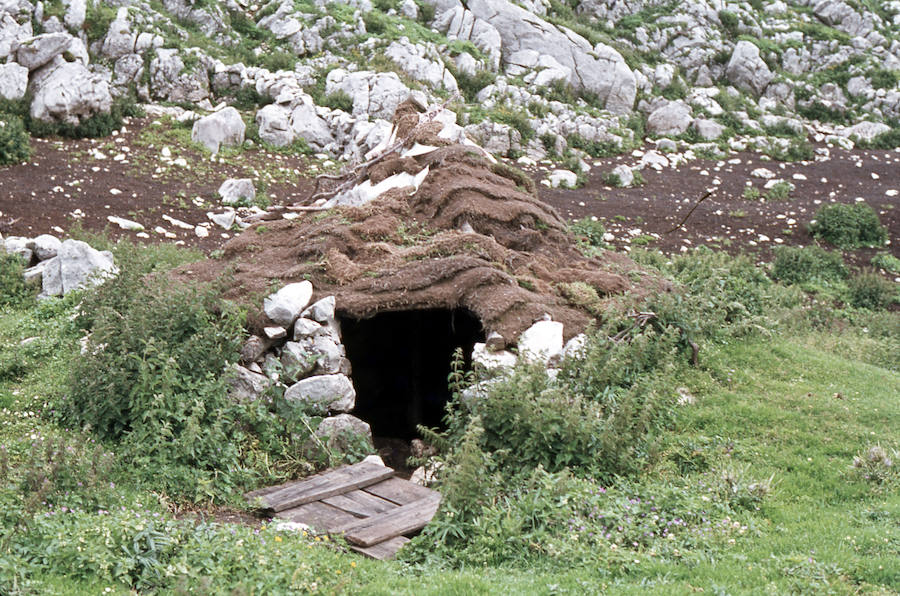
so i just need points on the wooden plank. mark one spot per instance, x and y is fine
(399, 521)
(399, 491)
(382, 550)
(321, 486)
(318, 515)
(360, 503)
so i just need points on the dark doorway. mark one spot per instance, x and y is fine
(400, 364)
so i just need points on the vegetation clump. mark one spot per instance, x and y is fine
(848, 226)
(15, 144)
(799, 265)
(870, 290)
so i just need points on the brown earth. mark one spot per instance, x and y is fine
(471, 237)
(518, 242)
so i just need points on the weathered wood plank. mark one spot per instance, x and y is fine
(318, 515)
(399, 521)
(360, 503)
(321, 486)
(382, 550)
(399, 491)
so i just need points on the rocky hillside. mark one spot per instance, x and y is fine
(534, 80)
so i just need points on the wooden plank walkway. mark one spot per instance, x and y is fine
(367, 503)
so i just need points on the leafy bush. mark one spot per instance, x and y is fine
(15, 144)
(152, 375)
(12, 285)
(338, 100)
(886, 261)
(591, 230)
(730, 22)
(848, 226)
(883, 78)
(796, 265)
(779, 191)
(870, 290)
(471, 84)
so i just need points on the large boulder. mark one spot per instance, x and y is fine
(222, 128)
(344, 433)
(746, 70)
(274, 122)
(69, 93)
(376, 95)
(308, 125)
(75, 265)
(672, 118)
(866, 131)
(284, 306)
(333, 393)
(41, 49)
(171, 80)
(234, 190)
(11, 33)
(600, 69)
(13, 81)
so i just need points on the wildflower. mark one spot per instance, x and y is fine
(278, 539)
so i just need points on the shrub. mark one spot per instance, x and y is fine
(795, 265)
(515, 118)
(730, 22)
(589, 230)
(870, 290)
(886, 140)
(779, 191)
(883, 78)
(471, 84)
(886, 261)
(848, 226)
(15, 144)
(12, 285)
(339, 100)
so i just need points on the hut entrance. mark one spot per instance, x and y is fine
(400, 365)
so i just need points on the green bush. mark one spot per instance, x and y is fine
(12, 285)
(15, 144)
(796, 265)
(848, 226)
(338, 100)
(730, 22)
(886, 261)
(870, 290)
(471, 84)
(589, 230)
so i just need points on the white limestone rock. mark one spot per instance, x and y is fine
(13, 81)
(747, 70)
(69, 92)
(75, 265)
(334, 393)
(274, 123)
(224, 128)
(542, 341)
(492, 359)
(672, 118)
(234, 190)
(343, 433)
(284, 306)
(44, 246)
(245, 385)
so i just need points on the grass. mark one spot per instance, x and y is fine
(794, 405)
